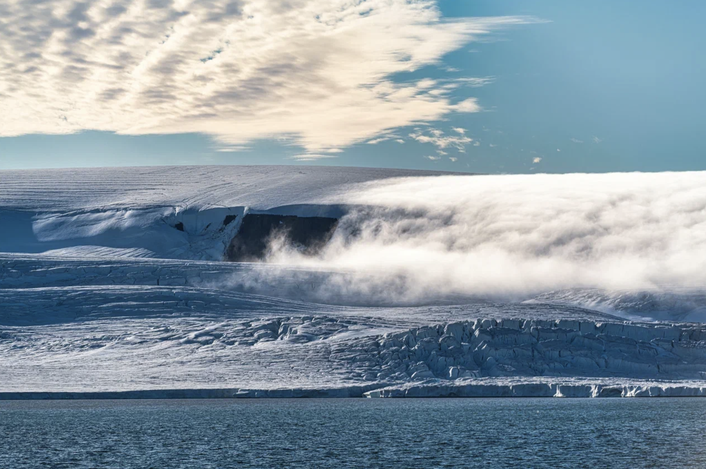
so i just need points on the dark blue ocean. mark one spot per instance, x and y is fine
(354, 433)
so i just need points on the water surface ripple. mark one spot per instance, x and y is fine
(348, 433)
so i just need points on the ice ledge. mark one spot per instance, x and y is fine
(485, 388)
(533, 388)
(220, 393)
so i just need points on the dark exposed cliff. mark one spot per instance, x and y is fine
(308, 234)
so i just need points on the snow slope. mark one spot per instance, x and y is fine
(114, 280)
(199, 187)
(133, 211)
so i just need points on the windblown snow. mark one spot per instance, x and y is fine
(361, 282)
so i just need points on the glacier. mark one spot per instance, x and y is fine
(117, 282)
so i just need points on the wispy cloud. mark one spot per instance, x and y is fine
(315, 70)
(442, 141)
(384, 138)
(475, 82)
(469, 105)
(231, 148)
(312, 156)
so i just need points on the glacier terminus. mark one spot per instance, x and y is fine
(271, 281)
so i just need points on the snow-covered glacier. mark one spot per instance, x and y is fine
(322, 281)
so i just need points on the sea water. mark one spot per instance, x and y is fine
(354, 433)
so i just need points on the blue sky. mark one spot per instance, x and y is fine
(545, 86)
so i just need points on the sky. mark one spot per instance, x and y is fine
(480, 86)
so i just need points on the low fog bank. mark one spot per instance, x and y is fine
(424, 239)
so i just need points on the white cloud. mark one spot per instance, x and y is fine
(597, 140)
(441, 141)
(476, 82)
(469, 105)
(316, 71)
(232, 148)
(459, 130)
(576, 140)
(375, 141)
(384, 138)
(311, 156)
(536, 160)
(453, 159)
(432, 157)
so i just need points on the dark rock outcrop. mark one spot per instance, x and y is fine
(307, 234)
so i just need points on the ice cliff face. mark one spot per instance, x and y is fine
(258, 232)
(172, 212)
(515, 347)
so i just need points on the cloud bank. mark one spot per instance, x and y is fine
(315, 71)
(514, 236)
